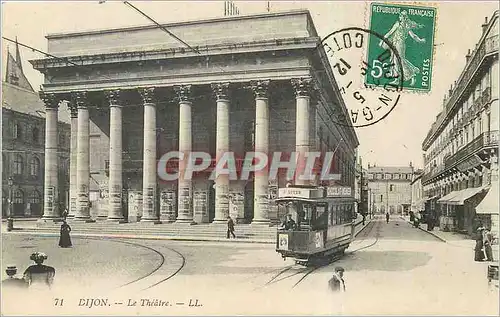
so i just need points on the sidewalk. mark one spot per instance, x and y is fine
(441, 235)
(30, 228)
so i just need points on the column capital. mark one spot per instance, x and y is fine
(303, 86)
(260, 88)
(73, 109)
(80, 99)
(147, 94)
(49, 99)
(184, 93)
(221, 90)
(113, 97)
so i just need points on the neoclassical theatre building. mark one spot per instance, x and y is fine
(242, 83)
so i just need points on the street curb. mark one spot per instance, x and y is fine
(429, 232)
(360, 230)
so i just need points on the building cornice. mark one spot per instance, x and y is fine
(163, 53)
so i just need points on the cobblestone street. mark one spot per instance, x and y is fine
(394, 268)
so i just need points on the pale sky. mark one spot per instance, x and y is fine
(394, 141)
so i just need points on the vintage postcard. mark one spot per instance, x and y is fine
(182, 158)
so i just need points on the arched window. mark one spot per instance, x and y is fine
(17, 133)
(35, 135)
(18, 197)
(35, 167)
(35, 197)
(18, 165)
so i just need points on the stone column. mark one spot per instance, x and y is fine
(73, 196)
(222, 146)
(83, 158)
(261, 178)
(51, 197)
(115, 182)
(302, 88)
(185, 187)
(149, 159)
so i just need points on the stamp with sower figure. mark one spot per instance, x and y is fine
(410, 29)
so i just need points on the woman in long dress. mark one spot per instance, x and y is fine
(397, 37)
(65, 239)
(478, 249)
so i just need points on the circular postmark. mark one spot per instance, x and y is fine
(369, 74)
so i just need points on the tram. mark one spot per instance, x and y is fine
(323, 222)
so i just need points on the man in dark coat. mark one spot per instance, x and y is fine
(230, 227)
(288, 224)
(336, 283)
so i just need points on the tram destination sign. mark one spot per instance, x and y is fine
(300, 193)
(338, 191)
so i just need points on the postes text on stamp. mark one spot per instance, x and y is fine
(410, 29)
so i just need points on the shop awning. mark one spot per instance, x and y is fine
(489, 204)
(465, 194)
(445, 199)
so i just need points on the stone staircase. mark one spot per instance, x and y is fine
(242, 231)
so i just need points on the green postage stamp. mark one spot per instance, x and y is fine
(410, 30)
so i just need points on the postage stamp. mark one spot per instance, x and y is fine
(410, 29)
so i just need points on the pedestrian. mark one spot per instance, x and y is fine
(13, 282)
(39, 275)
(478, 249)
(64, 238)
(336, 283)
(364, 218)
(65, 214)
(412, 216)
(288, 224)
(387, 217)
(487, 241)
(230, 227)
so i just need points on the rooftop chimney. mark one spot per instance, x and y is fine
(467, 57)
(450, 91)
(485, 25)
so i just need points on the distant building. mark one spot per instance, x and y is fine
(23, 145)
(417, 192)
(361, 188)
(390, 188)
(461, 148)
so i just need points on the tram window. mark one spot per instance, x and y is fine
(339, 215)
(321, 221)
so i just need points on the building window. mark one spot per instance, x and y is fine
(35, 135)
(391, 187)
(472, 130)
(18, 165)
(381, 198)
(35, 197)
(4, 165)
(35, 167)
(17, 131)
(18, 197)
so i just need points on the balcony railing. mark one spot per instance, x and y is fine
(485, 139)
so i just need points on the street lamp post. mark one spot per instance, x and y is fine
(10, 221)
